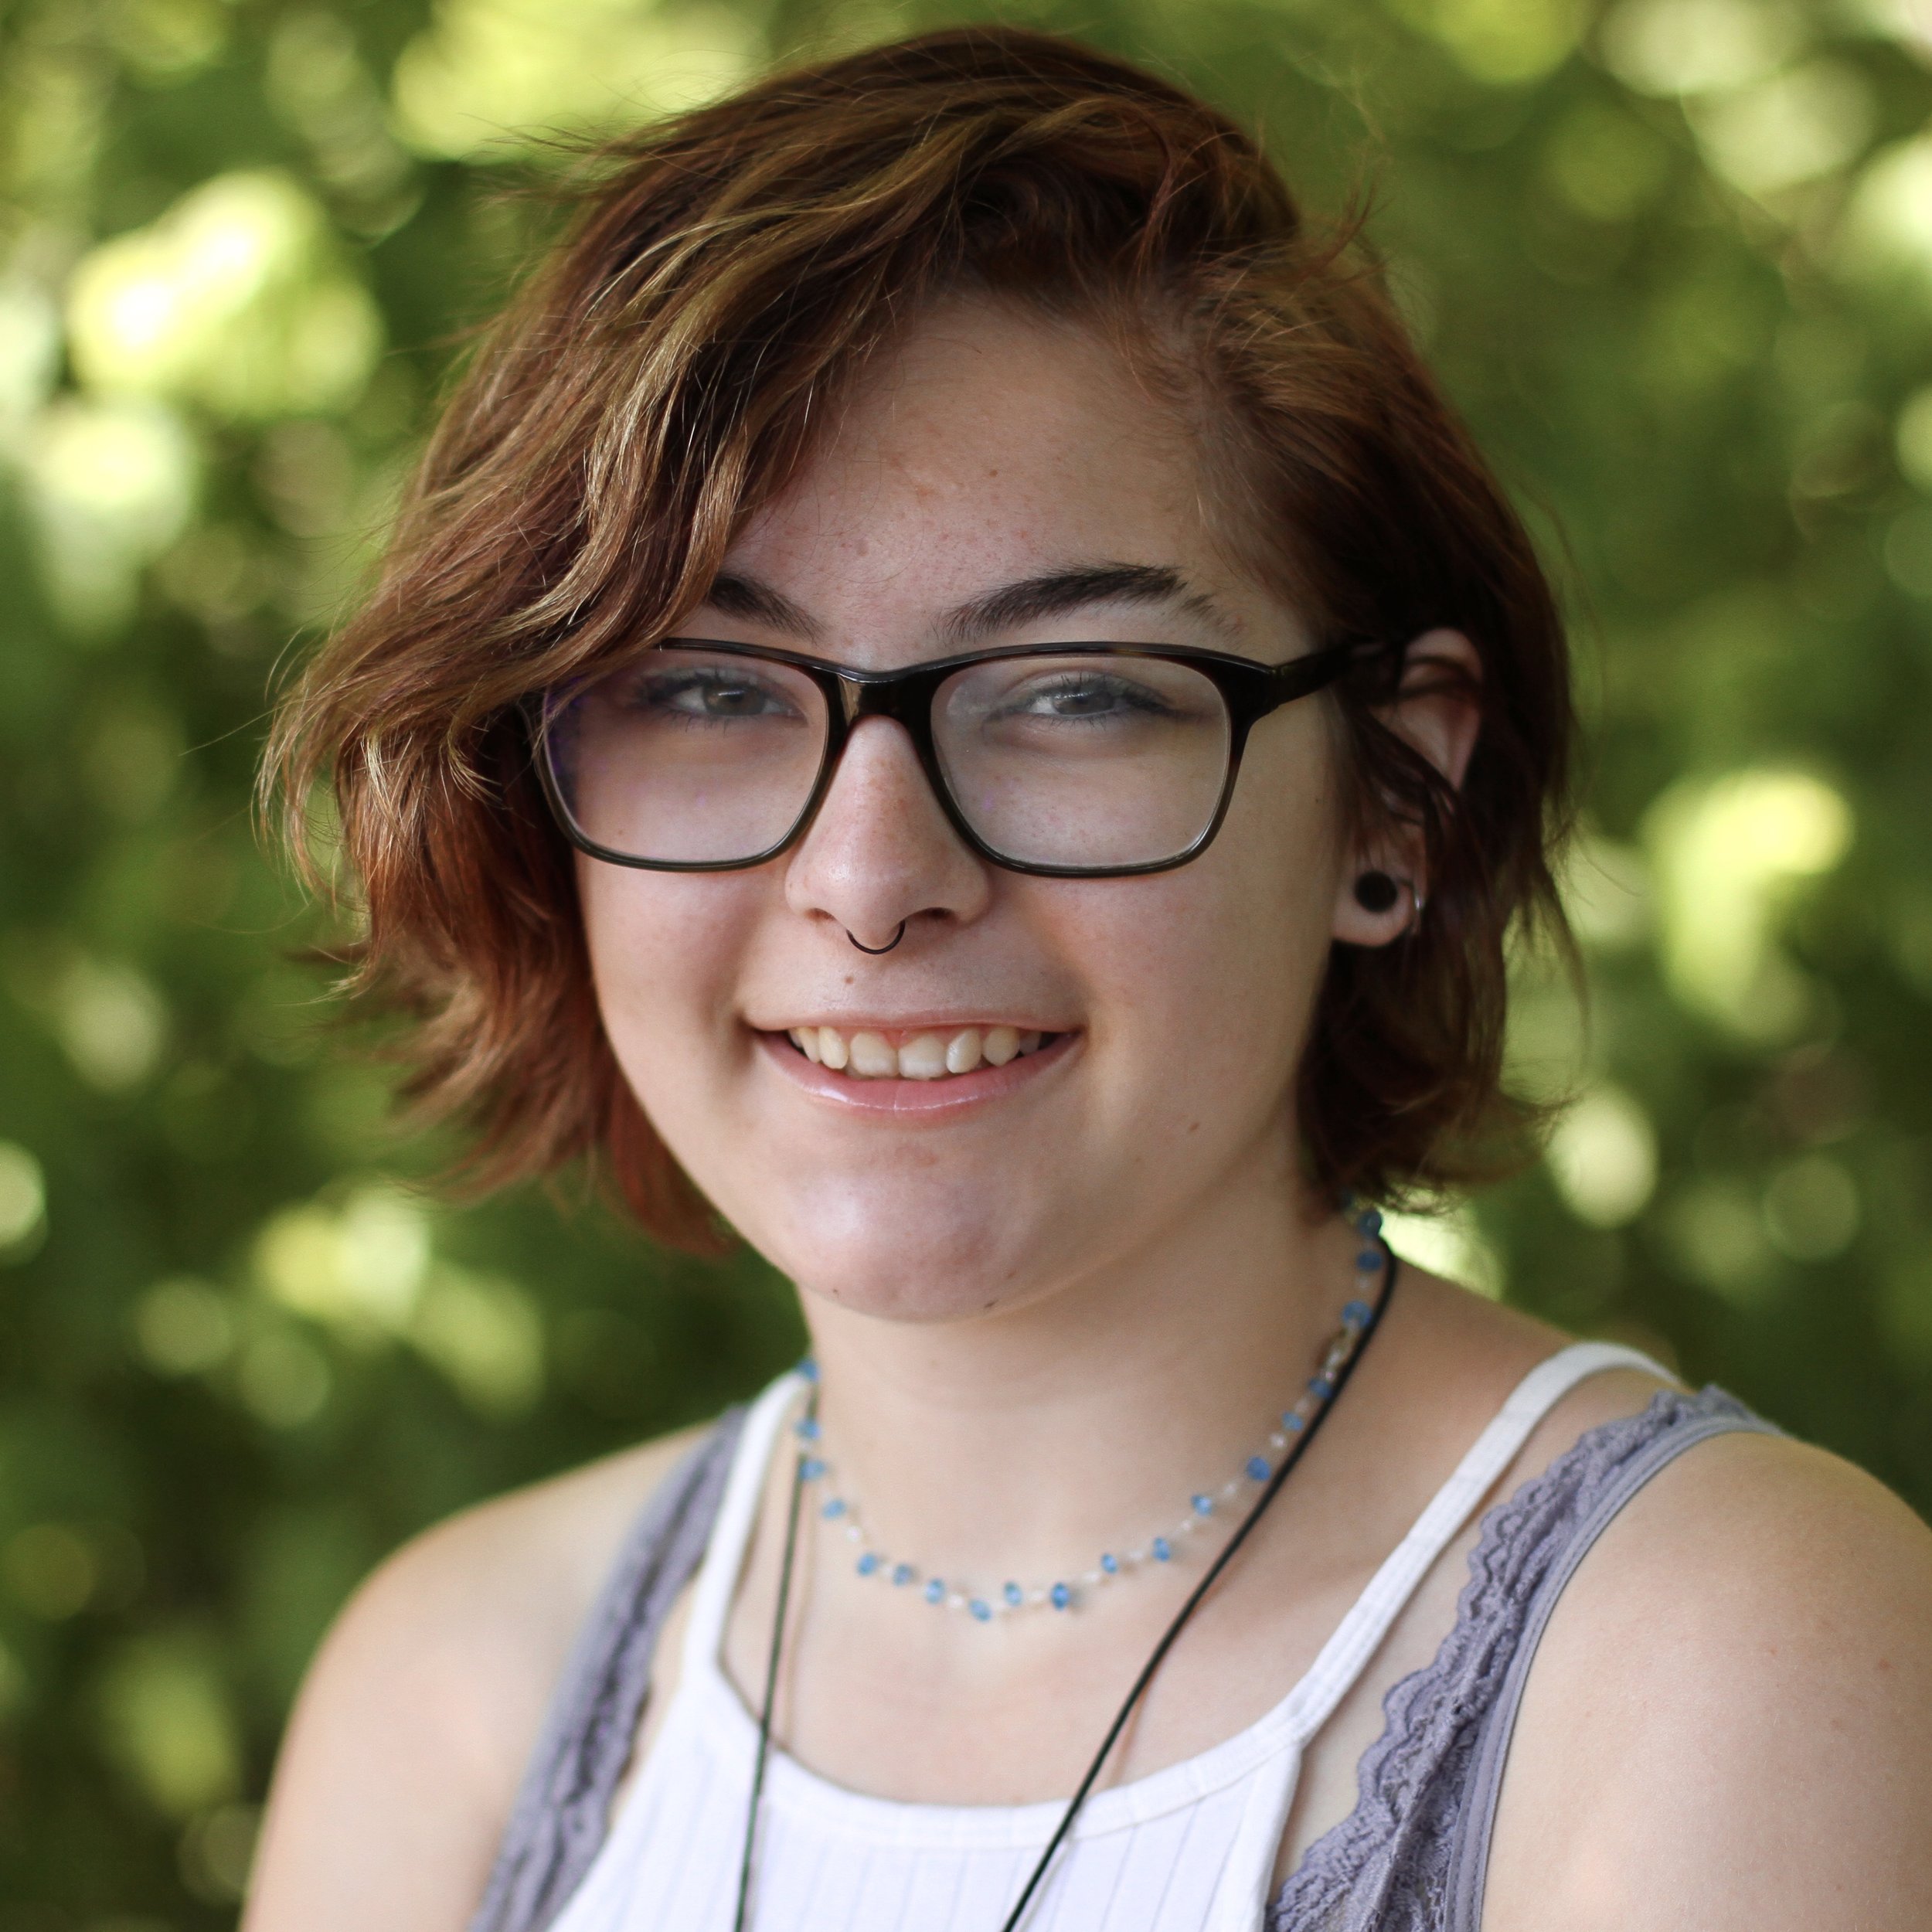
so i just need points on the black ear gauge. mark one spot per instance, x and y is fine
(1375, 892)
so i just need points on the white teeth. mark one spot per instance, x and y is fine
(926, 1056)
(923, 1059)
(872, 1058)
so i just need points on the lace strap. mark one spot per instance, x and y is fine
(1469, 1853)
(1385, 1868)
(562, 1808)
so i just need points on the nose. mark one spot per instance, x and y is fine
(881, 850)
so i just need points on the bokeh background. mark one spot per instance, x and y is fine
(1675, 260)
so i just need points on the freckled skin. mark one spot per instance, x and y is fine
(1192, 989)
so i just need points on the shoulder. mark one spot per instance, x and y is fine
(489, 1602)
(409, 1740)
(518, 1574)
(1730, 1719)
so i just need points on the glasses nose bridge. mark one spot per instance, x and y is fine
(905, 698)
(901, 696)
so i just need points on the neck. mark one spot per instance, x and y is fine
(1028, 1439)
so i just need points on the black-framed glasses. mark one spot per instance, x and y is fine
(1070, 761)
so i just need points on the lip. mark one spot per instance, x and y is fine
(906, 1099)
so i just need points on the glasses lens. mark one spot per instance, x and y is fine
(1089, 761)
(688, 757)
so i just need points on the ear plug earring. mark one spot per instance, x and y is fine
(1375, 892)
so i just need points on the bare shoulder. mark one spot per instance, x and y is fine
(403, 1755)
(515, 1575)
(1452, 1358)
(1729, 1722)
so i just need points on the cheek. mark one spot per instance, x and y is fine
(1285, 824)
(1204, 978)
(1250, 930)
(663, 950)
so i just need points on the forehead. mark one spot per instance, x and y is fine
(989, 447)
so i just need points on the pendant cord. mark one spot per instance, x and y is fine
(1200, 1589)
(771, 1675)
(1146, 1677)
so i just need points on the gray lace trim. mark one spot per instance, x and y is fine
(1386, 1867)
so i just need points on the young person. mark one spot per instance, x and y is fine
(950, 696)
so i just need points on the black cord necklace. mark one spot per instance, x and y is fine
(1146, 1677)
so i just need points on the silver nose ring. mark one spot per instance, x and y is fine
(876, 950)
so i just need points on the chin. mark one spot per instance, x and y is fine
(926, 1300)
(914, 1258)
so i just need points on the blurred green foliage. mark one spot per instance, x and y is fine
(1675, 260)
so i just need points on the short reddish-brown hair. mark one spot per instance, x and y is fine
(661, 376)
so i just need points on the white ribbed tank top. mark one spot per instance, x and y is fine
(1189, 1849)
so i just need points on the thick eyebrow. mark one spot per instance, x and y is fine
(743, 597)
(1058, 592)
(1055, 593)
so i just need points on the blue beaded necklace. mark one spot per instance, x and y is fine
(840, 1513)
(1327, 1383)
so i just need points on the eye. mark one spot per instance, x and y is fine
(1086, 697)
(715, 695)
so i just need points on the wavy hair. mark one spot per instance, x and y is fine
(661, 375)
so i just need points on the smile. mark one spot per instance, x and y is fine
(889, 1054)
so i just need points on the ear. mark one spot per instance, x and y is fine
(1436, 712)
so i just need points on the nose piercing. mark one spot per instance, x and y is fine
(876, 950)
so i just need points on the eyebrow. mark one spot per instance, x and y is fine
(739, 596)
(1053, 594)
(1058, 592)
